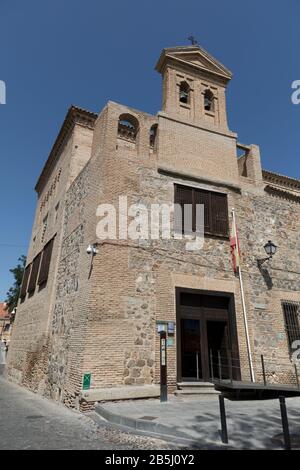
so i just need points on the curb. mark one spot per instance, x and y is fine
(175, 438)
(140, 424)
(157, 430)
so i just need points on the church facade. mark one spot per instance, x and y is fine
(88, 321)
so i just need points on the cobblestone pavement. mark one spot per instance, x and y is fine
(29, 421)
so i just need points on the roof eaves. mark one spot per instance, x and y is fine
(74, 114)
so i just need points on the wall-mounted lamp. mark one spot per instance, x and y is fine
(270, 249)
(92, 249)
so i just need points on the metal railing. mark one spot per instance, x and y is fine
(268, 370)
(284, 422)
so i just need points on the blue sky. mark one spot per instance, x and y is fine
(55, 53)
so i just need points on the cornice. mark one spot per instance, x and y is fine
(75, 115)
(181, 174)
(273, 191)
(286, 182)
(176, 54)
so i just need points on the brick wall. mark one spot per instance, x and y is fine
(99, 315)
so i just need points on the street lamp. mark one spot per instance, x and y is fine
(92, 250)
(270, 249)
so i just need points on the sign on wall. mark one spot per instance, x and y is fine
(86, 383)
(169, 328)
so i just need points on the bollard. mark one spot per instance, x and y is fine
(163, 367)
(297, 376)
(263, 369)
(224, 434)
(285, 424)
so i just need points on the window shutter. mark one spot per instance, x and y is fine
(183, 195)
(219, 214)
(215, 210)
(34, 273)
(45, 264)
(25, 281)
(203, 197)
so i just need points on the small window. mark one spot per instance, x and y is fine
(45, 264)
(56, 212)
(291, 311)
(215, 210)
(25, 282)
(128, 127)
(34, 273)
(45, 223)
(184, 93)
(209, 104)
(153, 133)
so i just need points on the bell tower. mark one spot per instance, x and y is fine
(194, 85)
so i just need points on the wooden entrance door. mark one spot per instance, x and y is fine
(206, 337)
(218, 347)
(191, 355)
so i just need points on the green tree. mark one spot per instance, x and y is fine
(13, 293)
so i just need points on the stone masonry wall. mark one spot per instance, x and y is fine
(98, 315)
(65, 316)
(134, 285)
(32, 359)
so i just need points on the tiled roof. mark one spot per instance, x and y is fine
(3, 313)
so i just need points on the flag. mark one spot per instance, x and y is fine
(234, 245)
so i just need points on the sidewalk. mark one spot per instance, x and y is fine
(29, 421)
(251, 424)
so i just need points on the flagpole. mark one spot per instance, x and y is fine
(252, 376)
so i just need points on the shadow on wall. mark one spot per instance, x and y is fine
(266, 276)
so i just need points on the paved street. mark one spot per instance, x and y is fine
(251, 424)
(29, 421)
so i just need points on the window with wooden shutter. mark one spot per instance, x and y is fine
(219, 214)
(291, 311)
(215, 210)
(25, 282)
(34, 273)
(183, 218)
(203, 197)
(45, 264)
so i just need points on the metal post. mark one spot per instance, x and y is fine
(197, 365)
(245, 313)
(163, 367)
(230, 367)
(263, 369)
(211, 364)
(297, 376)
(285, 424)
(220, 366)
(224, 434)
